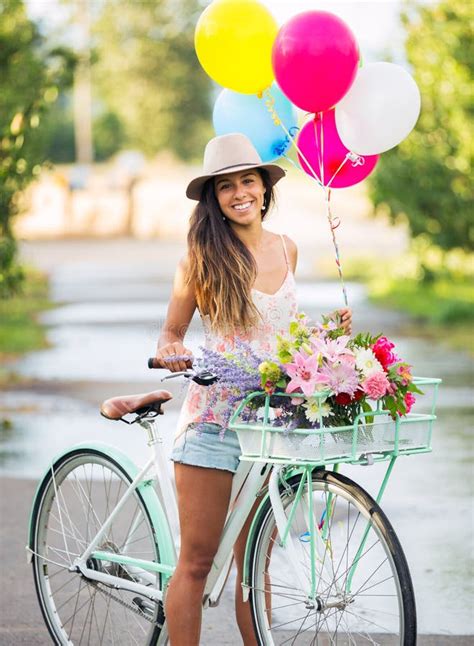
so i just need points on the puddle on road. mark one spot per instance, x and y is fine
(28, 442)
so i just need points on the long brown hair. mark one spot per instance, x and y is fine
(221, 267)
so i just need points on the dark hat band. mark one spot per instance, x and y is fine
(219, 170)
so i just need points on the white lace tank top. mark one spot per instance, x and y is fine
(277, 311)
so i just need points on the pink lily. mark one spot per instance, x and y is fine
(303, 373)
(334, 349)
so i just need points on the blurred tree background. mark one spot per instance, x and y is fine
(31, 76)
(150, 94)
(426, 179)
(148, 75)
(149, 91)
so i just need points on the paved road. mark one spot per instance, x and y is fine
(108, 309)
(21, 621)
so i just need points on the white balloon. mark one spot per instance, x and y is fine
(380, 109)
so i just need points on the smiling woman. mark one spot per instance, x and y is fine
(241, 279)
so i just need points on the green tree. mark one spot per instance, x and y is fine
(29, 80)
(425, 180)
(149, 76)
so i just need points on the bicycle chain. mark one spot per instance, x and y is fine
(120, 601)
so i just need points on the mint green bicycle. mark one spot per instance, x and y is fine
(323, 565)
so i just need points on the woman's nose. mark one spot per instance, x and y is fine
(240, 191)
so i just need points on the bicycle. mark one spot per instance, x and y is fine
(322, 561)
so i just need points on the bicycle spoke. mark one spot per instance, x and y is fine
(81, 496)
(338, 614)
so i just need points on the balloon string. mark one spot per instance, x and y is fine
(333, 224)
(321, 147)
(293, 163)
(270, 103)
(340, 166)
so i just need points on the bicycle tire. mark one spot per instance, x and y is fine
(337, 614)
(87, 483)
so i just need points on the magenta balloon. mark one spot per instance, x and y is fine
(334, 153)
(315, 58)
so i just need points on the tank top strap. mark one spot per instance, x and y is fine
(285, 251)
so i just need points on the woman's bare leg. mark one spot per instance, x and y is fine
(242, 610)
(203, 501)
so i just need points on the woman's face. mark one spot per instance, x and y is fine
(241, 196)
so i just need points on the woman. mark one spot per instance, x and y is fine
(240, 277)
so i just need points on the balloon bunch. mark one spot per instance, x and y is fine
(354, 112)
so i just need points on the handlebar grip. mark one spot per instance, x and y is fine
(152, 363)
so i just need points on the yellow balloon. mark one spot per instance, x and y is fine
(233, 41)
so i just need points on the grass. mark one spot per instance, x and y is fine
(20, 330)
(442, 306)
(445, 308)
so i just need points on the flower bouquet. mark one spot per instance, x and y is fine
(331, 377)
(320, 397)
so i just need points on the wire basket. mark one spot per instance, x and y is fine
(373, 437)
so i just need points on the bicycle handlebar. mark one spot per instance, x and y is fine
(201, 377)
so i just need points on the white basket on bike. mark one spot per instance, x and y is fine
(375, 434)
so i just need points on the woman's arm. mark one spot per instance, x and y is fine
(180, 312)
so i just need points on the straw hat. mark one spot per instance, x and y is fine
(228, 154)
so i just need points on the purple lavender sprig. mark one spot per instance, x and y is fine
(237, 373)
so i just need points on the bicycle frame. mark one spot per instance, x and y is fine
(247, 484)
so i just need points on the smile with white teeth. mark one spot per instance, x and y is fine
(242, 207)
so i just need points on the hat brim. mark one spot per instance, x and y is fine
(195, 187)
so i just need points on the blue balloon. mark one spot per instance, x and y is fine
(246, 113)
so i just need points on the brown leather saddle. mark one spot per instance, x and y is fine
(143, 404)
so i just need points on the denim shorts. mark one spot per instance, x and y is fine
(204, 448)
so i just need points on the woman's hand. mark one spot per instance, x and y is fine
(345, 315)
(165, 354)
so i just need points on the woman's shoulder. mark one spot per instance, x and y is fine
(290, 246)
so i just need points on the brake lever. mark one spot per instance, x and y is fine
(182, 373)
(203, 378)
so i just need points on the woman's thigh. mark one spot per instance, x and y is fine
(203, 501)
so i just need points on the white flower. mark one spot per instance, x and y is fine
(367, 362)
(315, 408)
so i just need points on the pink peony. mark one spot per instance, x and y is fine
(383, 351)
(303, 373)
(341, 377)
(376, 385)
(410, 399)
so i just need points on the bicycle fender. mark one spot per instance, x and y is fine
(252, 531)
(245, 574)
(147, 492)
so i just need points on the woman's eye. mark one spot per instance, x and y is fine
(224, 187)
(248, 181)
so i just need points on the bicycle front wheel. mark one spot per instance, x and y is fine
(77, 495)
(353, 586)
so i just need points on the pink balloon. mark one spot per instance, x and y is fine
(315, 58)
(310, 142)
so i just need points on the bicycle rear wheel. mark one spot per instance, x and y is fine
(363, 592)
(77, 495)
